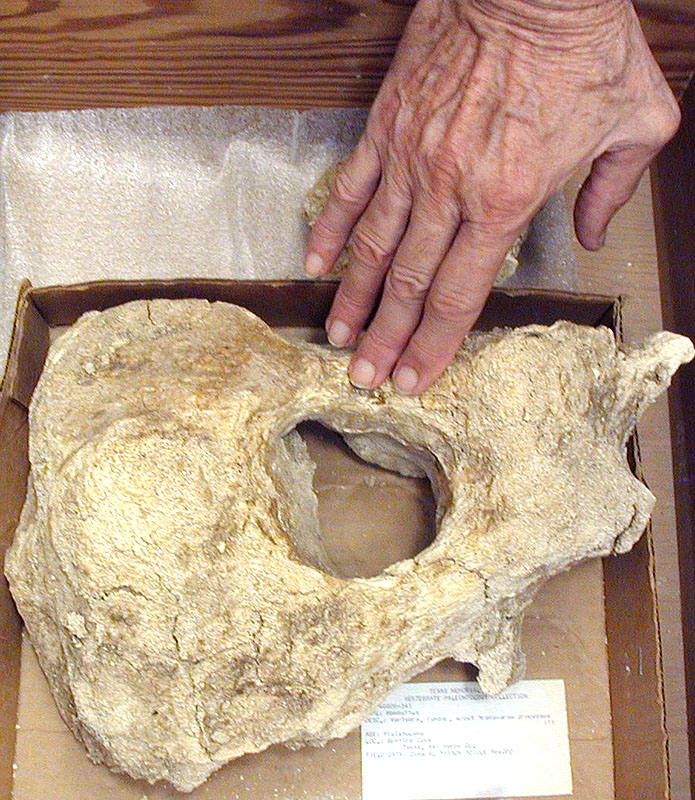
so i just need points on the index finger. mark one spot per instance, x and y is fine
(355, 183)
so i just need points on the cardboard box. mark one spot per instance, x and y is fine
(579, 628)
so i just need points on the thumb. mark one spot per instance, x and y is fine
(611, 183)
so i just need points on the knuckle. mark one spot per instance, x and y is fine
(450, 306)
(514, 188)
(432, 353)
(368, 249)
(352, 299)
(603, 194)
(507, 200)
(660, 124)
(382, 339)
(324, 229)
(620, 196)
(443, 169)
(406, 284)
(345, 190)
(670, 120)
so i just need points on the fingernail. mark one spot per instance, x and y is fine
(362, 373)
(339, 333)
(602, 239)
(405, 379)
(313, 265)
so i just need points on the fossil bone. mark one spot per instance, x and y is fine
(168, 563)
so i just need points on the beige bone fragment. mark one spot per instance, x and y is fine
(169, 563)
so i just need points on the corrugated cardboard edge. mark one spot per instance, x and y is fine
(14, 465)
(648, 538)
(660, 661)
(635, 654)
(13, 352)
(28, 347)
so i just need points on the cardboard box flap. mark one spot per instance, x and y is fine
(638, 732)
(29, 346)
(306, 303)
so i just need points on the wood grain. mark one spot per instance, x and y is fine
(79, 53)
(673, 186)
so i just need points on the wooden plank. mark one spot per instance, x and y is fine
(673, 184)
(670, 30)
(73, 53)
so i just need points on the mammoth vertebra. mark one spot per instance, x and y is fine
(169, 563)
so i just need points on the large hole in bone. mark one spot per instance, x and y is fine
(369, 517)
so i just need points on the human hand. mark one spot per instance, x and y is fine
(488, 108)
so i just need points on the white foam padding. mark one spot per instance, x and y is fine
(175, 192)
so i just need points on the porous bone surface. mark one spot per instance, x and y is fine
(169, 564)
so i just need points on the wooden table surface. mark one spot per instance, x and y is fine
(78, 53)
(82, 53)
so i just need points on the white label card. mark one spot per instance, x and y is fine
(447, 741)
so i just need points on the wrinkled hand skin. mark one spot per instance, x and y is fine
(487, 110)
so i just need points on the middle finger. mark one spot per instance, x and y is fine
(424, 245)
(372, 245)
